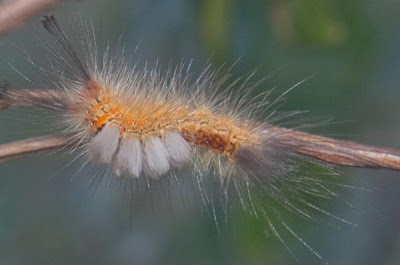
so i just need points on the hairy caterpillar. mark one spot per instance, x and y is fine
(94, 117)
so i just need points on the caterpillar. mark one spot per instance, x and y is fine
(146, 124)
(143, 124)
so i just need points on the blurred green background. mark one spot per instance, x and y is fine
(49, 214)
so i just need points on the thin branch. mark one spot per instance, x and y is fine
(16, 98)
(31, 146)
(13, 13)
(343, 153)
(337, 152)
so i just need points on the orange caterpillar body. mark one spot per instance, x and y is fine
(138, 115)
(200, 127)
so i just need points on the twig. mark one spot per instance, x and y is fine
(13, 13)
(16, 98)
(31, 146)
(337, 152)
(343, 153)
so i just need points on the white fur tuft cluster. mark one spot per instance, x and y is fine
(129, 156)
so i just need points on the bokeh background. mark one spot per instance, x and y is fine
(50, 215)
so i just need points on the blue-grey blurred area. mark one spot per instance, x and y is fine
(52, 212)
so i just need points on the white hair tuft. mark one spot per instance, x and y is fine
(102, 147)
